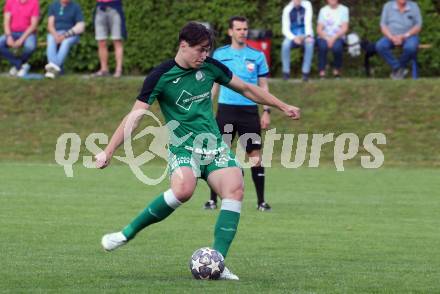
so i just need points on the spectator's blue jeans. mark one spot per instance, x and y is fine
(29, 46)
(337, 49)
(308, 55)
(409, 48)
(57, 53)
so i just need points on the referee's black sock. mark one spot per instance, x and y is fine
(258, 177)
(213, 196)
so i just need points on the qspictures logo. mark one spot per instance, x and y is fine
(345, 147)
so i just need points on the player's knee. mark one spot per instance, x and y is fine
(255, 157)
(183, 191)
(235, 194)
(257, 161)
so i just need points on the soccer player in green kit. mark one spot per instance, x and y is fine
(182, 87)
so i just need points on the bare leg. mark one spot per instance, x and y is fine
(119, 57)
(103, 56)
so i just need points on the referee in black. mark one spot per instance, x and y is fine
(237, 114)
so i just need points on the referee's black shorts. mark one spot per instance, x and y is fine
(244, 120)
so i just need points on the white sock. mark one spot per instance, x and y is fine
(231, 205)
(171, 199)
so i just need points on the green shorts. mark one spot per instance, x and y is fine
(202, 163)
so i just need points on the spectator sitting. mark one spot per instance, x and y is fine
(298, 32)
(332, 27)
(401, 22)
(109, 22)
(65, 24)
(20, 23)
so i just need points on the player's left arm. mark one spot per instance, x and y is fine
(125, 128)
(214, 91)
(258, 95)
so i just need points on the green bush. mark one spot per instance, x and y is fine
(153, 27)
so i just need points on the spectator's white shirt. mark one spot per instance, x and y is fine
(332, 19)
(307, 19)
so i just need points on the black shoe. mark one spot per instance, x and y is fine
(211, 205)
(305, 78)
(286, 76)
(263, 206)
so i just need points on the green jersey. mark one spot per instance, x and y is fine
(184, 95)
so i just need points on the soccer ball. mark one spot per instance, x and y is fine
(206, 264)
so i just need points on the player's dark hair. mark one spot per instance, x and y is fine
(236, 18)
(195, 33)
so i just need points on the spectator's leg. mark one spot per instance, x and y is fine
(409, 48)
(103, 56)
(64, 49)
(285, 56)
(7, 54)
(101, 36)
(370, 51)
(29, 47)
(383, 48)
(119, 56)
(51, 49)
(415, 69)
(338, 52)
(115, 26)
(322, 56)
(309, 46)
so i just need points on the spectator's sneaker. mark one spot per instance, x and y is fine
(52, 67)
(13, 71)
(403, 72)
(394, 75)
(286, 76)
(399, 74)
(23, 70)
(305, 77)
(228, 275)
(117, 74)
(50, 75)
(113, 241)
(211, 205)
(263, 206)
(101, 74)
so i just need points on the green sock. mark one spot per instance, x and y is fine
(226, 225)
(158, 210)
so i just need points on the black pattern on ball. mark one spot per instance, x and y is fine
(206, 263)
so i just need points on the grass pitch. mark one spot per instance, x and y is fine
(356, 231)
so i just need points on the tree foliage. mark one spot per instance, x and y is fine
(153, 26)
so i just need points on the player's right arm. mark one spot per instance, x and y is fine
(261, 96)
(103, 158)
